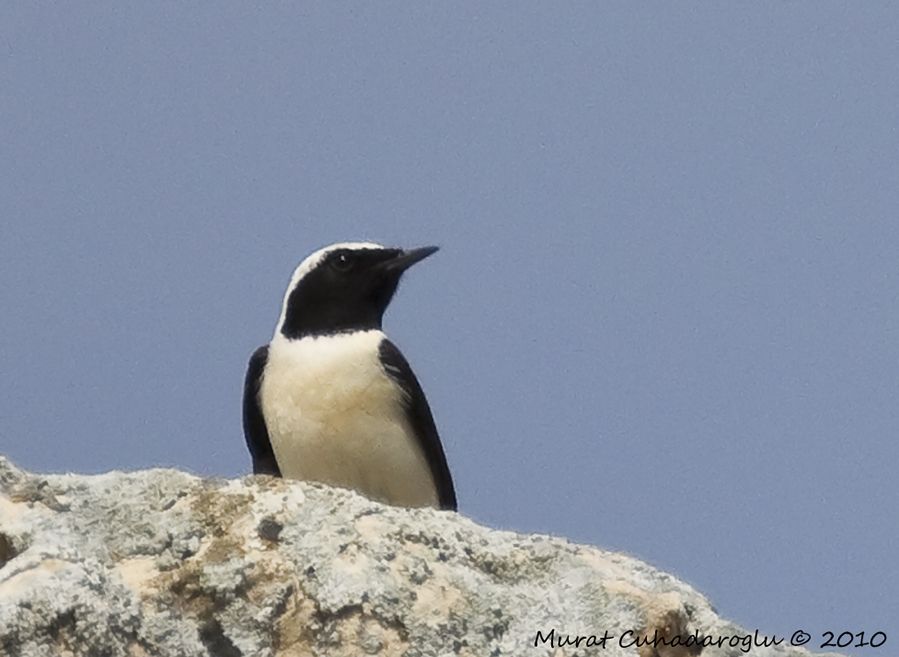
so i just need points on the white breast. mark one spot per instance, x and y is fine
(334, 416)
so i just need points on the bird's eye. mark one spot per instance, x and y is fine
(343, 262)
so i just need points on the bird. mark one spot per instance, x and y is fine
(331, 399)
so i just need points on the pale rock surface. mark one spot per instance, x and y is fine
(160, 563)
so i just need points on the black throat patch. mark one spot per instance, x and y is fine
(348, 290)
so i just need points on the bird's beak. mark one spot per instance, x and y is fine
(407, 258)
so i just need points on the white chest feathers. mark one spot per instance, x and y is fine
(334, 415)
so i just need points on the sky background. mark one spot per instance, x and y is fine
(665, 315)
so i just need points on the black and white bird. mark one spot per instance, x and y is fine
(331, 399)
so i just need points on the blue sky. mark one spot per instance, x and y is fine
(664, 317)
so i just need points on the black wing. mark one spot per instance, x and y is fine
(419, 414)
(254, 429)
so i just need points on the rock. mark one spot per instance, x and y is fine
(162, 563)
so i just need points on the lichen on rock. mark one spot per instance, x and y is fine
(164, 564)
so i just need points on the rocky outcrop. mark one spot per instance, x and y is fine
(162, 563)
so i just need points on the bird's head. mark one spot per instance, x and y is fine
(344, 287)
